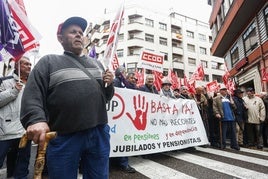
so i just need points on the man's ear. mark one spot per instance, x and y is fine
(60, 38)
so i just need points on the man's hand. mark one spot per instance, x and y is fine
(218, 116)
(108, 77)
(18, 86)
(37, 133)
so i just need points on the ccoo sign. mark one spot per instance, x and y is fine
(150, 57)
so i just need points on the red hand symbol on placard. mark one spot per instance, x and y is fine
(141, 108)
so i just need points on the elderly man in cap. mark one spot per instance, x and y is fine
(241, 115)
(166, 90)
(256, 115)
(67, 94)
(223, 109)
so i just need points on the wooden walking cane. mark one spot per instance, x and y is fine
(40, 157)
(220, 134)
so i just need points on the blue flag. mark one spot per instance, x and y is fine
(93, 53)
(9, 35)
(6, 31)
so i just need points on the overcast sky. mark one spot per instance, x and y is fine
(45, 15)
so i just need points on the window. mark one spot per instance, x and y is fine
(131, 67)
(210, 39)
(203, 50)
(216, 65)
(162, 26)
(176, 43)
(104, 41)
(149, 38)
(202, 37)
(204, 63)
(206, 78)
(177, 58)
(165, 72)
(250, 38)
(120, 53)
(191, 48)
(131, 52)
(192, 61)
(266, 18)
(163, 41)
(165, 56)
(149, 22)
(179, 72)
(121, 37)
(131, 36)
(218, 78)
(190, 34)
(234, 55)
(106, 28)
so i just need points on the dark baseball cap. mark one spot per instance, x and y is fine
(81, 22)
(250, 89)
(237, 91)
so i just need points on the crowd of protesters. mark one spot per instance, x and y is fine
(241, 116)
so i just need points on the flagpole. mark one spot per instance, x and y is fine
(107, 65)
(116, 33)
(19, 70)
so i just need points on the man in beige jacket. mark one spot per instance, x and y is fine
(256, 115)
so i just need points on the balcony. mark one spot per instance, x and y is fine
(135, 26)
(135, 42)
(177, 50)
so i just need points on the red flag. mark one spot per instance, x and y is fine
(140, 77)
(115, 62)
(198, 74)
(185, 81)
(226, 76)
(113, 39)
(173, 78)
(230, 85)
(191, 88)
(190, 85)
(21, 5)
(212, 86)
(28, 34)
(36, 45)
(227, 81)
(264, 75)
(158, 80)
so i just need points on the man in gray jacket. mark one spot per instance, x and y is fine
(11, 130)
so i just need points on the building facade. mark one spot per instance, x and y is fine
(240, 36)
(185, 42)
